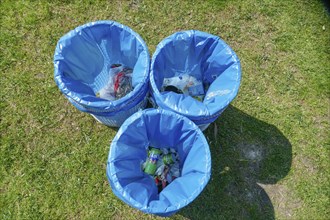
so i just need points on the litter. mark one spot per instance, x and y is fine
(119, 83)
(151, 163)
(185, 84)
(162, 165)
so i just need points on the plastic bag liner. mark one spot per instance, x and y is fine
(205, 57)
(159, 129)
(82, 61)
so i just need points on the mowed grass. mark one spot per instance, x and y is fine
(270, 148)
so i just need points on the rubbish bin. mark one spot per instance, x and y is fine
(194, 74)
(84, 60)
(159, 129)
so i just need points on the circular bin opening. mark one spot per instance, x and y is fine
(205, 57)
(84, 56)
(159, 129)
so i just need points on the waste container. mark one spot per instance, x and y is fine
(159, 129)
(100, 56)
(194, 74)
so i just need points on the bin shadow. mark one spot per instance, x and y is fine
(326, 4)
(245, 152)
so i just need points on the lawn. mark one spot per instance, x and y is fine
(270, 148)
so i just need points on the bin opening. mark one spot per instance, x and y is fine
(84, 57)
(162, 130)
(204, 70)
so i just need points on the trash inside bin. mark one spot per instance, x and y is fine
(194, 74)
(147, 137)
(103, 69)
(163, 165)
(119, 83)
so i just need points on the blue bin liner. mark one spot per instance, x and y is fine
(82, 61)
(204, 56)
(161, 129)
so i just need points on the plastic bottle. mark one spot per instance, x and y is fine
(168, 159)
(151, 163)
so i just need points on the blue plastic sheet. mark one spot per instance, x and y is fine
(83, 58)
(160, 129)
(207, 58)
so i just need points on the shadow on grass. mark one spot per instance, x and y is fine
(245, 151)
(326, 4)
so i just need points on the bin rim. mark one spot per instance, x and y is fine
(212, 113)
(102, 105)
(119, 191)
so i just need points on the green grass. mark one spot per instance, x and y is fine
(270, 148)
